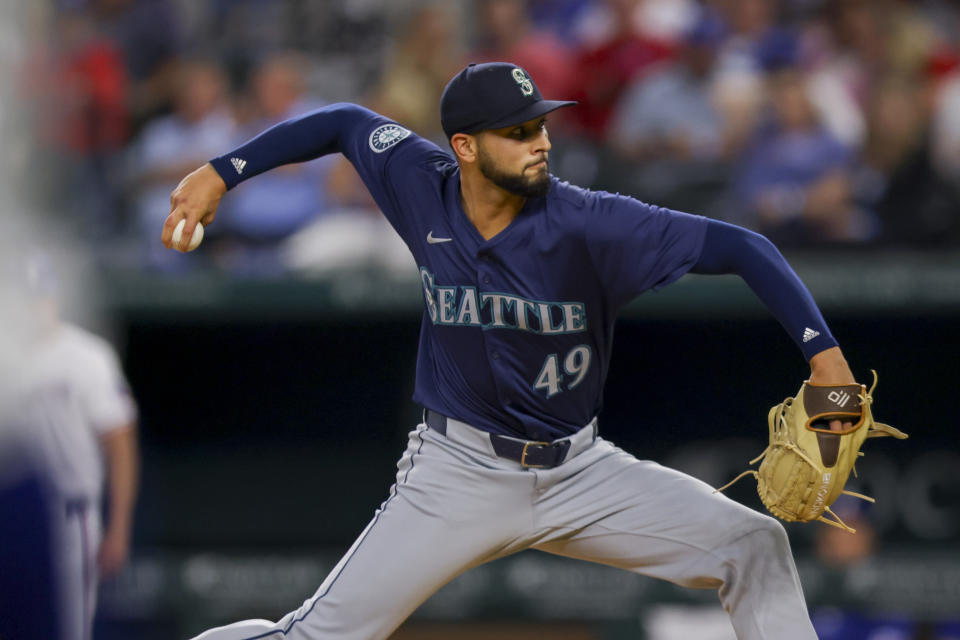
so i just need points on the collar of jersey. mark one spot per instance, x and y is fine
(465, 228)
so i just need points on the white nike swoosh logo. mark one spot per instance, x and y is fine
(432, 240)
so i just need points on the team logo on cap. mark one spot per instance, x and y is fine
(526, 85)
(385, 136)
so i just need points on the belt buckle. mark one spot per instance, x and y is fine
(523, 455)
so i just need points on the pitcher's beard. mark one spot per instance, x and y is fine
(516, 183)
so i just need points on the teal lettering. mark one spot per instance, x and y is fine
(462, 306)
(469, 313)
(521, 306)
(573, 317)
(546, 319)
(496, 309)
(448, 298)
(427, 279)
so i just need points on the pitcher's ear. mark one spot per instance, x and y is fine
(464, 146)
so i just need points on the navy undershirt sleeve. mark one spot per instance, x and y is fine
(310, 136)
(731, 249)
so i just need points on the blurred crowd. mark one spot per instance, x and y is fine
(816, 122)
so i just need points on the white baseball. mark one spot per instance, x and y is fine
(194, 240)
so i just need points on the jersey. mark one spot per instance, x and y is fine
(71, 392)
(517, 332)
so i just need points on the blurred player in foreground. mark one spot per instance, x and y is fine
(523, 276)
(69, 410)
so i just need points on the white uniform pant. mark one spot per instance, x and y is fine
(456, 505)
(78, 534)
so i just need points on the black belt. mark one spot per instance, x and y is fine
(529, 453)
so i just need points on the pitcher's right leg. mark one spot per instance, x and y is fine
(444, 515)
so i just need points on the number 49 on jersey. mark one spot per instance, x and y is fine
(575, 365)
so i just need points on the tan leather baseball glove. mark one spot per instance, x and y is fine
(806, 464)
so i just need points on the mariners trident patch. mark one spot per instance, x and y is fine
(386, 136)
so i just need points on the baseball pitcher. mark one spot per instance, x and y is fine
(523, 276)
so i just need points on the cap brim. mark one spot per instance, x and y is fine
(529, 112)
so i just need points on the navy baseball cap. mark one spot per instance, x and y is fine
(489, 96)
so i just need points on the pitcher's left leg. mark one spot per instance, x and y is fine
(611, 508)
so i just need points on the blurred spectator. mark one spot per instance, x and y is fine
(264, 212)
(854, 47)
(352, 235)
(847, 559)
(559, 17)
(345, 39)
(78, 90)
(659, 20)
(605, 68)
(754, 45)
(946, 130)
(170, 147)
(669, 130)
(507, 34)
(417, 69)
(842, 553)
(915, 203)
(275, 90)
(668, 20)
(840, 113)
(669, 112)
(757, 42)
(659, 128)
(73, 408)
(795, 178)
(840, 550)
(149, 35)
(245, 29)
(30, 606)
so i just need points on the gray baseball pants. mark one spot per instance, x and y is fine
(456, 505)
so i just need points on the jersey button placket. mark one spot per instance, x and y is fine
(484, 280)
(482, 272)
